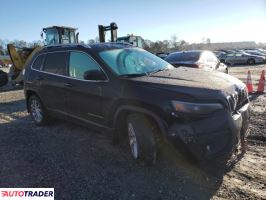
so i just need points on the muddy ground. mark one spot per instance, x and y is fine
(81, 163)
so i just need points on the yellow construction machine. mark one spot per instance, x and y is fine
(21, 56)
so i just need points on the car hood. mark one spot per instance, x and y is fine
(194, 82)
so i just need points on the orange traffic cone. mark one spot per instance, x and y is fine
(249, 83)
(261, 82)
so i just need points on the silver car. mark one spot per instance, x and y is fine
(243, 58)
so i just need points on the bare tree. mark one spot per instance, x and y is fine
(91, 41)
(174, 41)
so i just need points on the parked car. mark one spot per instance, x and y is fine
(196, 59)
(243, 58)
(255, 52)
(134, 94)
(162, 55)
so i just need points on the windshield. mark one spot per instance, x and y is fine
(133, 61)
(52, 36)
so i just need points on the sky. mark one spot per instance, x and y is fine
(189, 20)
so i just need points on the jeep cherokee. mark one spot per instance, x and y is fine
(131, 92)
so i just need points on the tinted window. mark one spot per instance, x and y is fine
(79, 63)
(183, 56)
(38, 62)
(55, 63)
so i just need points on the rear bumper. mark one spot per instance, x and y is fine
(215, 136)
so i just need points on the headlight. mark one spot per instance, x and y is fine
(196, 108)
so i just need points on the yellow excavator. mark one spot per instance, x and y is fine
(21, 56)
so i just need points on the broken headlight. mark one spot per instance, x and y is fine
(196, 108)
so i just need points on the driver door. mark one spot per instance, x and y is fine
(84, 97)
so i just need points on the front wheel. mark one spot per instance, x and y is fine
(141, 135)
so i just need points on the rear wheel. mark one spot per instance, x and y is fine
(37, 111)
(141, 135)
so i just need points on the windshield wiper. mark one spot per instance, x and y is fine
(156, 71)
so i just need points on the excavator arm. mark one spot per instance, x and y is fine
(20, 58)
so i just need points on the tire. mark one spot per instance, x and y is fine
(222, 61)
(37, 111)
(251, 61)
(141, 133)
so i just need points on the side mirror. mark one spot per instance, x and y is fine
(94, 75)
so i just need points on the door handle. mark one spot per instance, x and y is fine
(68, 85)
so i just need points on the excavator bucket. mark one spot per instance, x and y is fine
(16, 59)
(20, 60)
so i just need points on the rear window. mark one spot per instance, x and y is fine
(38, 62)
(183, 56)
(56, 63)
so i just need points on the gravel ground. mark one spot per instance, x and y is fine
(81, 163)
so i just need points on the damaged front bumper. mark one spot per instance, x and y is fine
(213, 136)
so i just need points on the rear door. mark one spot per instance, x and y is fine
(239, 58)
(230, 58)
(84, 96)
(52, 79)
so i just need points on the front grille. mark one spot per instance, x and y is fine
(237, 99)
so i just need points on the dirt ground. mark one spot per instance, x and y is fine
(81, 163)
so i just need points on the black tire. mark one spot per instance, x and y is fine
(3, 78)
(41, 120)
(251, 61)
(222, 61)
(145, 132)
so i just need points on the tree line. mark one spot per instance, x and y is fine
(159, 46)
(152, 46)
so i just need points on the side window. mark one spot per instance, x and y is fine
(56, 63)
(79, 63)
(38, 62)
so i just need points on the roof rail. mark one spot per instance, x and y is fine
(66, 45)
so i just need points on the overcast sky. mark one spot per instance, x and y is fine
(191, 20)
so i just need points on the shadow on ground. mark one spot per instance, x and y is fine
(81, 163)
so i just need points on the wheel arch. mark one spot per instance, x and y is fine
(124, 110)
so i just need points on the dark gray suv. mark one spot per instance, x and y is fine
(136, 95)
